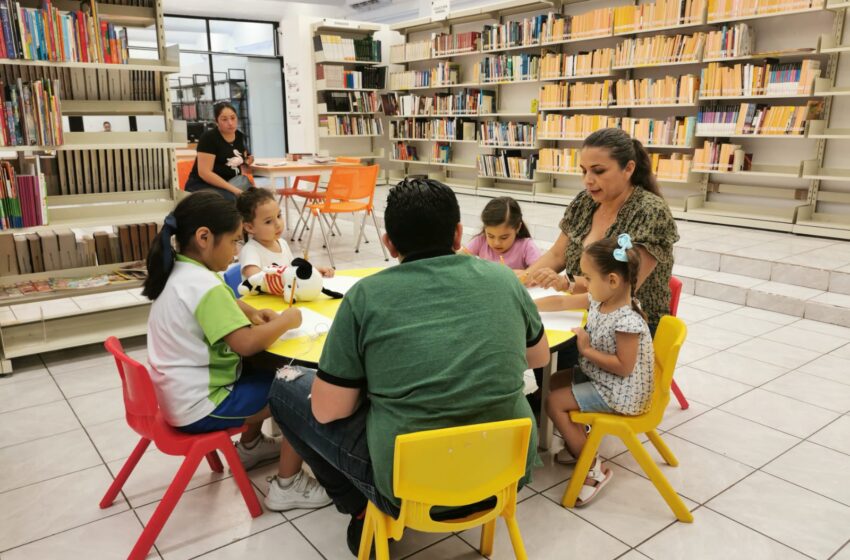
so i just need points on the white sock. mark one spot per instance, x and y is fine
(286, 482)
(253, 443)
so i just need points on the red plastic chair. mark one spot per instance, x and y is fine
(143, 416)
(675, 293)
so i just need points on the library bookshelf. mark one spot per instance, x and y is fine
(350, 73)
(700, 195)
(59, 287)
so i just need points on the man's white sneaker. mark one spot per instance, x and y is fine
(303, 492)
(266, 449)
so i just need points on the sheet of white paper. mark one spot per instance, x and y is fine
(312, 324)
(537, 292)
(340, 284)
(561, 320)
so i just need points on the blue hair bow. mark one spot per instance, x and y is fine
(169, 228)
(624, 240)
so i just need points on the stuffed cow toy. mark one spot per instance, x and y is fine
(278, 281)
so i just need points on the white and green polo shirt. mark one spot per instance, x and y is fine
(192, 368)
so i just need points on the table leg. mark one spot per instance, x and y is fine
(544, 424)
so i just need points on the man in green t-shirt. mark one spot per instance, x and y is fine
(441, 340)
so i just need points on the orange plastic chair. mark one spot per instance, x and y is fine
(313, 197)
(287, 193)
(184, 169)
(350, 190)
(144, 417)
(675, 294)
(453, 467)
(668, 341)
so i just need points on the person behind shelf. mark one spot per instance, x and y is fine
(262, 225)
(222, 157)
(107, 126)
(504, 237)
(615, 370)
(198, 333)
(621, 194)
(379, 374)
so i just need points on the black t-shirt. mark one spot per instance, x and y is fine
(212, 142)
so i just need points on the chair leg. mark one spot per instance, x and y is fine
(488, 535)
(380, 242)
(368, 534)
(382, 546)
(327, 243)
(361, 233)
(662, 448)
(165, 507)
(658, 479)
(306, 212)
(335, 226)
(214, 462)
(124, 473)
(582, 468)
(330, 223)
(242, 481)
(683, 402)
(516, 538)
(301, 219)
(309, 237)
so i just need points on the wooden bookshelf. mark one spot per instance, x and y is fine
(148, 192)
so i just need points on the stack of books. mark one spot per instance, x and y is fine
(416, 50)
(351, 101)
(404, 152)
(721, 157)
(31, 113)
(22, 199)
(560, 65)
(672, 131)
(432, 129)
(670, 90)
(659, 50)
(349, 125)
(367, 49)
(442, 74)
(595, 23)
(507, 164)
(441, 153)
(592, 94)
(750, 80)
(674, 167)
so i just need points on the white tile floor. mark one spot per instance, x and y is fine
(764, 452)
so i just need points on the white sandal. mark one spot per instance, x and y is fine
(600, 476)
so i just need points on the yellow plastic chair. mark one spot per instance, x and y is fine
(453, 467)
(668, 340)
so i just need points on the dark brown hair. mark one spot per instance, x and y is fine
(248, 202)
(221, 106)
(504, 210)
(623, 148)
(602, 254)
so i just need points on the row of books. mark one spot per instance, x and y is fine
(720, 156)
(441, 152)
(433, 129)
(350, 125)
(513, 33)
(105, 171)
(366, 77)
(730, 41)
(507, 68)
(95, 84)
(404, 152)
(460, 102)
(672, 131)
(498, 133)
(669, 90)
(509, 164)
(772, 78)
(334, 47)
(49, 34)
(756, 119)
(661, 13)
(672, 167)
(561, 65)
(351, 101)
(559, 161)
(726, 9)
(65, 248)
(22, 199)
(447, 43)
(594, 23)
(659, 50)
(443, 73)
(32, 114)
(415, 50)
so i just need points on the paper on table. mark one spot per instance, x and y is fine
(561, 320)
(340, 284)
(312, 324)
(537, 292)
(280, 163)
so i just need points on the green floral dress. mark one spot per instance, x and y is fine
(647, 218)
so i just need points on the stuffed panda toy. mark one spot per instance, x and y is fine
(278, 281)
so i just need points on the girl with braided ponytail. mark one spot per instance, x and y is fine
(615, 367)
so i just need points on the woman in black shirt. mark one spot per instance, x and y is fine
(221, 155)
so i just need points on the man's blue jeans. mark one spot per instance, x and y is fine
(337, 452)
